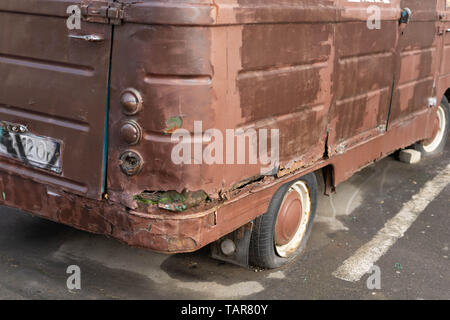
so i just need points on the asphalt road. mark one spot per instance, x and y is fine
(35, 253)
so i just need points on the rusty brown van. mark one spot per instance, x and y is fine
(88, 114)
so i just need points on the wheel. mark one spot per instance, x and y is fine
(280, 235)
(436, 145)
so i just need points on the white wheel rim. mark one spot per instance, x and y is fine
(440, 135)
(288, 249)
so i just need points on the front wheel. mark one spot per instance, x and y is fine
(436, 145)
(280, 235)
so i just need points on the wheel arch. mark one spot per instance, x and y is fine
(326, 178)
(447, 94)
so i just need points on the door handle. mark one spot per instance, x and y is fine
(89, 37)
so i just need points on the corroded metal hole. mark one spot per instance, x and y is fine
(130, 163)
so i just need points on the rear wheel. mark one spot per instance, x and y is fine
(436, 145)
(281, 234)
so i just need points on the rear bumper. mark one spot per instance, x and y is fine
(103, 217)
(160, 231)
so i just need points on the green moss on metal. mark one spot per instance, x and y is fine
(172, 200)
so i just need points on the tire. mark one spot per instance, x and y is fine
(436, 145)
(271, 250)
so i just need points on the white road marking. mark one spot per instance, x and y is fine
(365, 257)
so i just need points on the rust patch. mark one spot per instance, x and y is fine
(173, 124)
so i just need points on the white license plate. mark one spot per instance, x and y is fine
(35, 151)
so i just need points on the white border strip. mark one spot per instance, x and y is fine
(365, 257)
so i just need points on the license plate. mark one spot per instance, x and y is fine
(35, 151)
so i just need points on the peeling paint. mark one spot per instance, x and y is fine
(173, 124)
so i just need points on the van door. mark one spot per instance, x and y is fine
(417, 59)
(364, 72)
(53, 95)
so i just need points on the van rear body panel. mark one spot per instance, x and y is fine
(341, 95)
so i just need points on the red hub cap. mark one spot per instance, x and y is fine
(436, 127)
(289, 218)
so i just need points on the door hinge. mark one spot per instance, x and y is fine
(102, 12)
